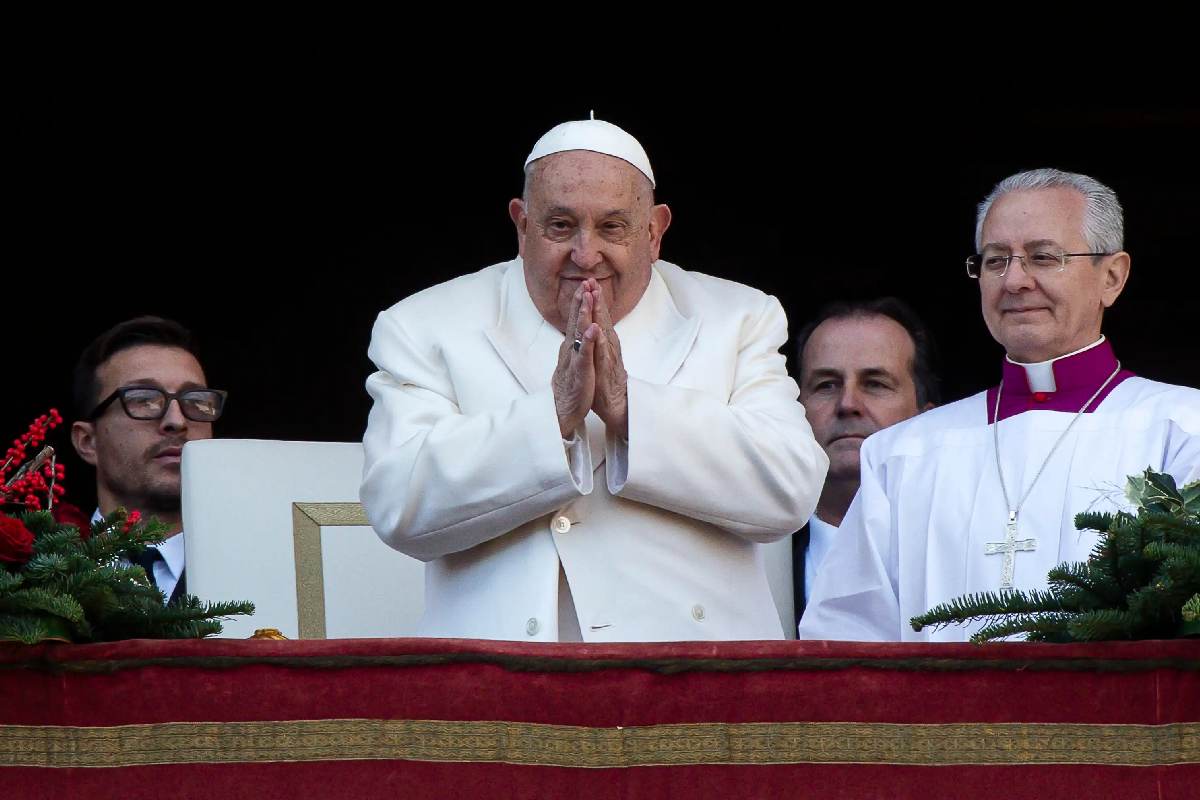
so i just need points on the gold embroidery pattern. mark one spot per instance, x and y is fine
(571, 746)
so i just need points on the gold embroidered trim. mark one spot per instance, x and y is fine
(571, 746)
(307, 521)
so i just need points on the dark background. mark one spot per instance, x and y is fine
(277, 217)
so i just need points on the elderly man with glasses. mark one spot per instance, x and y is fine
(141, 395)
(981, 495)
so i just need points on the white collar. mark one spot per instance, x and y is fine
(1041, 374)
(173, 552)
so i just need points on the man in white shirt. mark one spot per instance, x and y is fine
(141, 394)
(863, 366)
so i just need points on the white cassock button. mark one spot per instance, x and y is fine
(561, 524)
(698, 613)
(532, 626)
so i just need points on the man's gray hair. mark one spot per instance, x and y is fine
(1103, 219)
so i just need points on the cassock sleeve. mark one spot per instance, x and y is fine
(438, 481)
(747, 464)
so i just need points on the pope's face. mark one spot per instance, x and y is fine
(587, 215)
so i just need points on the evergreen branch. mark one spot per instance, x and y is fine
(47, 567)
(987, 605)
(55, 542)
(30, 628)
(1079, 578)
(1103, 624)
(35, 599)
(1094, 521)
(10, 581)
(1041, 625)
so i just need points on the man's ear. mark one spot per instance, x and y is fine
(516, 212)
(660, 220)
(1116, 273)
(83, 437)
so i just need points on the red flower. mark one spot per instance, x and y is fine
(68, 514)
(16, 542)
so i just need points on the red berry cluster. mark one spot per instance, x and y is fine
(37, 482)
(133, 519)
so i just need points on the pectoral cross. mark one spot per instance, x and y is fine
(1008, 548)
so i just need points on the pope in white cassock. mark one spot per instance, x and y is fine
(981, 494)
(587, 443)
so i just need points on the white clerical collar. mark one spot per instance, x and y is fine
(1041, 374)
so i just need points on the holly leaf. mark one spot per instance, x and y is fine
(1135, 489)
(1191, 497)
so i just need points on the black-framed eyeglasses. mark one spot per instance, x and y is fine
(147, 402)
(1040, 263)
